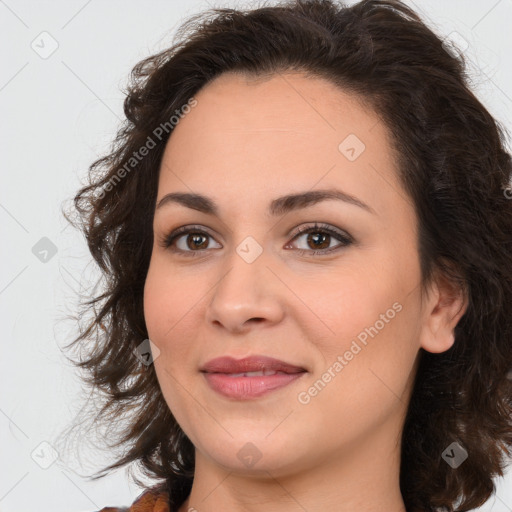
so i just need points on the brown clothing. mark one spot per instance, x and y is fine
(151, 500)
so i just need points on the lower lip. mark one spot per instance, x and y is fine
(245, 388)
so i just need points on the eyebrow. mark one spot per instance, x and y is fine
(278, 206)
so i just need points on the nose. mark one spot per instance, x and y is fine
(247, 294)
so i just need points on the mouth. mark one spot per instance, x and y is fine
(251, 377)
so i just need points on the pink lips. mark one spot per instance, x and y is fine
(236, 378)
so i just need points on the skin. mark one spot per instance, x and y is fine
(247, 142)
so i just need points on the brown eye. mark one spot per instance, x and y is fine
(187, 240)
(317, 239)
(196, 241)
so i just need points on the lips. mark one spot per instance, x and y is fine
(249, 378)
(249, 365)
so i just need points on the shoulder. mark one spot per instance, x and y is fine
(154, 499)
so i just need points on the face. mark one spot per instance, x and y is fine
(326, 281)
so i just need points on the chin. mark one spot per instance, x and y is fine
(255, 452)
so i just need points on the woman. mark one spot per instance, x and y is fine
(305, 231)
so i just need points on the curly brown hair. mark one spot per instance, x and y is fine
(453, 164)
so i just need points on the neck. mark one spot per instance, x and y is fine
(363, 476)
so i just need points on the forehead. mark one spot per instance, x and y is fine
(250, 137)
(283, 101)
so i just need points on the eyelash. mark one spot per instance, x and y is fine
(168, 241)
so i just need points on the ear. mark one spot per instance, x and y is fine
(445, 305)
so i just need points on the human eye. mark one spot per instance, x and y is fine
(194, 240)
(187, 240)
(321, 235)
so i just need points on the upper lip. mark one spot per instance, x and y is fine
(228, 364)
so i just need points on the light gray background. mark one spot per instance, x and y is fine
(58, 115)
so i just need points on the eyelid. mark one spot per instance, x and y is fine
(320, 226)
(167, 240)
(343, 237)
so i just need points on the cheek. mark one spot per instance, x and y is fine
(172, 302)
(372, 319)
(168, 302)
(165, 311)
(161, 314)
(346, 302)
(372, 356)
(366, 374)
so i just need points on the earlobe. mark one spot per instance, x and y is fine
(445, 306)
